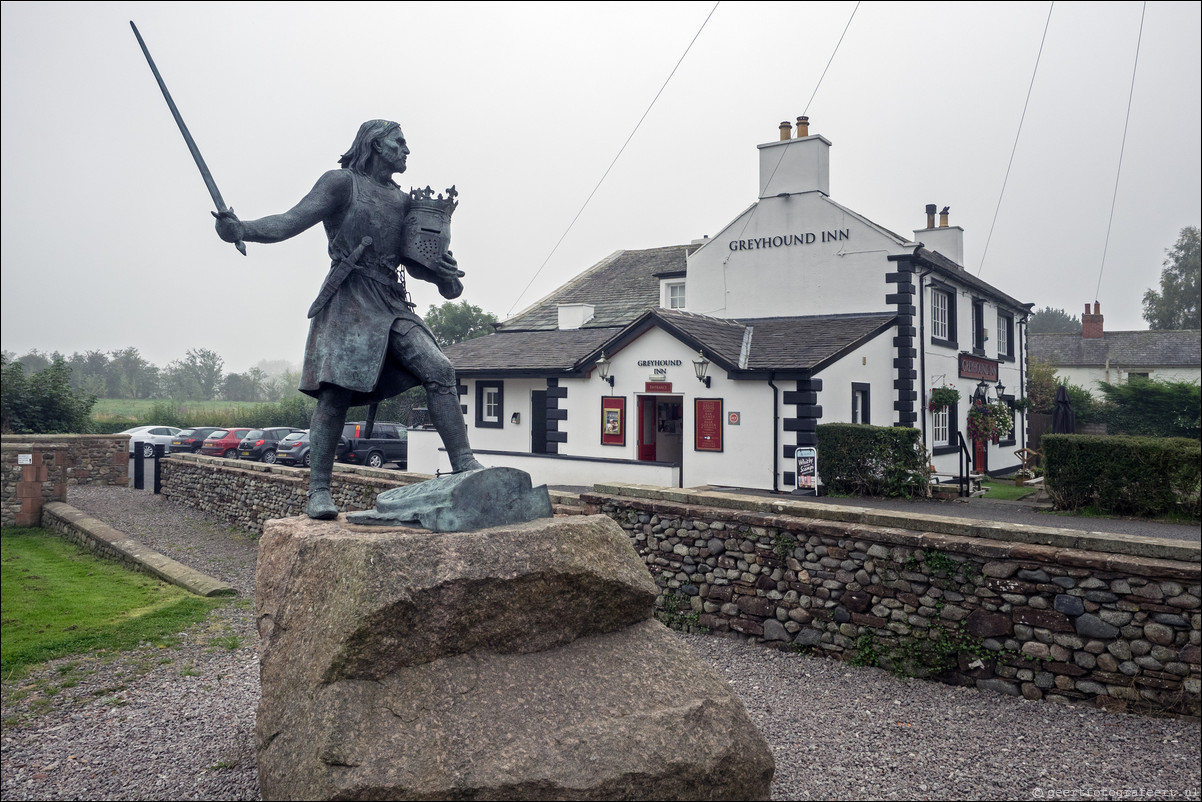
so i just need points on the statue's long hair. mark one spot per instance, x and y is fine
(356, 158)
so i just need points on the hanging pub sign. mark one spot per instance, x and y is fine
(707, 424)
(613, 421)
(975, 367)
(807, 470)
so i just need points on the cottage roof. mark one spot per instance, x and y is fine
(1128, 349)
(620, 287)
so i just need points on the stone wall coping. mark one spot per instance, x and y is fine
(14, 440)
(151, 561)
(36, 444)
(1004, 537)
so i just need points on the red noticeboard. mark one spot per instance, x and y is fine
(613, 421)
(657, 387)
(707, 424)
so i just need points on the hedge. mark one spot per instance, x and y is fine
(1145, 476)
(857, 459)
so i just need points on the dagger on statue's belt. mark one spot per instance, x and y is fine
(336, 276)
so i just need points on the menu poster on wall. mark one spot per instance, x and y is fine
(613, 421)
(707, 424)
(807, 470)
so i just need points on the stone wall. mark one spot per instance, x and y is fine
(1043, 613)
(248, 493)
(54, 462)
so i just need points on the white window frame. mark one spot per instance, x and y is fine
(940, 426)
(940, 301)
(492, 404)
(1003, 335)
(674, 294)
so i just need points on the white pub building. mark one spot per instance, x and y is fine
(712, 363)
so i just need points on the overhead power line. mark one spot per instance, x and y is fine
(1130, 94)
(1017, 134)
(615, 160)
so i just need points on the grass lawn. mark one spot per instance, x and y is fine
(57, 600)
(1006, 490)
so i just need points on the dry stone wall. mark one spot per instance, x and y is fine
(1021, 612)
(248, 493)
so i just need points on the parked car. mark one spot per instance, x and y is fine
(259, 444)
(190, 440)
(389, 443)
(149, 437)
(224, 442)
(294, 449)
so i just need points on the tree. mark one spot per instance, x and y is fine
(43, 403)
(1049, 320)
(455, 322)
(1041, 386)
(1176, 305)
(1153, 408)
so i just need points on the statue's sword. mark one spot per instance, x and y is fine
(183, 129)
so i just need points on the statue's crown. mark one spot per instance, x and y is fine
(424, 199)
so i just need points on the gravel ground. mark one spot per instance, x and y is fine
(178, 722)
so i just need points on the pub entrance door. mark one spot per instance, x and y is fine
(661, 428)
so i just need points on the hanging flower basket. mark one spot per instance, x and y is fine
(943, 397)
(989, 421)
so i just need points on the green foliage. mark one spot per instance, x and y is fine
(455, 322)
(866, 653)
(945, 396)
(1143, 476)
(1041, 386)
(58, 600)
(1175, 306)
(871, 460)
(43, 403)
(676, 612)
(1153, 408)
(782, 546)
(1049, 320)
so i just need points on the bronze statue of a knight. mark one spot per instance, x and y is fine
(365, 341)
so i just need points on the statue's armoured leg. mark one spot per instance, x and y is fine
(414, 347)
(324, 431)
(443, 403)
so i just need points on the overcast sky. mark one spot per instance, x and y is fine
(108, 241)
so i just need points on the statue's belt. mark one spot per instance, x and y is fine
(340, 270)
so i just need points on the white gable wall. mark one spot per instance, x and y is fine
(792, 256)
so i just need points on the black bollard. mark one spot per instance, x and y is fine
(158, 469)
(139, 467)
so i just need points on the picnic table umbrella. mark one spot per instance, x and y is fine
(1064, 420)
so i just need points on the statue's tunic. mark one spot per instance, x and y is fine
(348, 338)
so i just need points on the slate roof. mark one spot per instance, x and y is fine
(754, 346)
(539, 353)
(1128, 349)
(620, 287)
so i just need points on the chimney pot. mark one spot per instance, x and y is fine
(786, 131)
(1091, 325)
(803, 127)
(930, 215)
(943, 216)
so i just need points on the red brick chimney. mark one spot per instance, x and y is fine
(1091, 325)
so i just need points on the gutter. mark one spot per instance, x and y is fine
(775, 430)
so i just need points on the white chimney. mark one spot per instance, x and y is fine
(573, 316)
(791, 166)
(947, 240)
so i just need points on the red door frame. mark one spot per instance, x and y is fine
(647, 412)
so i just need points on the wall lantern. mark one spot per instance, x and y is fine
(515, 417)
(1000, 389)
(701, 365)
(603, 366)
(982, 392)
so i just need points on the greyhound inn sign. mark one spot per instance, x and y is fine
(974, 367)
(785, 240)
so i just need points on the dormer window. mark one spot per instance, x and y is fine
(674, 295)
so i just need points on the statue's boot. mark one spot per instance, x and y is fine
(324, 430)
(448, 419)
